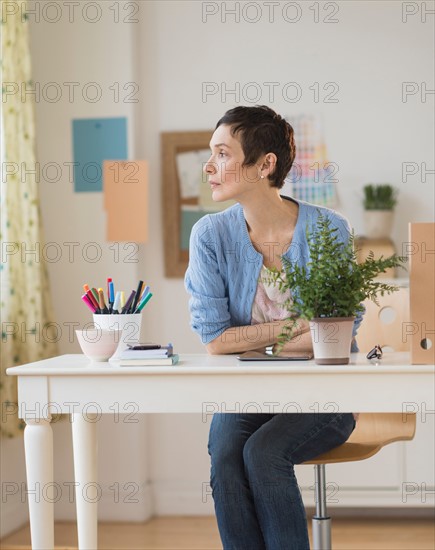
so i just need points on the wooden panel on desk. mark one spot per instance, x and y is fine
(383, 324)
(380, 247)
(421, 250)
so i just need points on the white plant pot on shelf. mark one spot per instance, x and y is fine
(378, 223)
(331, 338)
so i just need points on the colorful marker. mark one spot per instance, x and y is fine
(145, 289)
(111, 296)
(121, 300)
(137, 296)
(127, 306)
(144, 302)
(117, 303)
(88, 303)
(143, 296)
(101, 302)
(93, 301)
(95, 293)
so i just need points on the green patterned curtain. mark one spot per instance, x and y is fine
(26, 314)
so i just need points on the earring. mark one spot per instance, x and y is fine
(262, 177)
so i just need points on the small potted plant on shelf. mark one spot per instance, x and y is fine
(379, 203)
(329, 291)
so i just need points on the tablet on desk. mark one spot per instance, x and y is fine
(290, 356)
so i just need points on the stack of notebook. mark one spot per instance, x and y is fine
(151, 355)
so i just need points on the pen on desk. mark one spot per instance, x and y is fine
(143, 303)
(93, 301)
(117, 303)
(111, 296)
(88, 303)
(129, 302)
(101, 302)
(137, 296)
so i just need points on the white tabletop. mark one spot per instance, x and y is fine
(360, 386)
(79, 365)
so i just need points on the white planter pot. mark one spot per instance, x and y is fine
(332, 338)
(378, 223)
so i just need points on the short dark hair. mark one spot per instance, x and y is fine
(263, 131)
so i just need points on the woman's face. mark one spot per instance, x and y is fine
(227, 176)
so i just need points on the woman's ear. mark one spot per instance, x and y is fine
(269, 163)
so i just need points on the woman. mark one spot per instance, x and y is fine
(257, 501)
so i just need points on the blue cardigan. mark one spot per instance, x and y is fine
(224, 267)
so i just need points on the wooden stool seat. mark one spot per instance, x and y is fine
(348, 452)
(372, 432)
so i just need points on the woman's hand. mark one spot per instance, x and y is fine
(301, 341)
(239, 339)
(246, 338)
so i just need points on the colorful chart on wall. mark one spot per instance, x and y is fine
(96, 140)
(312, 177)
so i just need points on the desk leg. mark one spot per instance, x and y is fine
(84, 430)
(38, 446)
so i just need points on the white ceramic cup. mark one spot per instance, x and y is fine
(129, 324)
(98, 345)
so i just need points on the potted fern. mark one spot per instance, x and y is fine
(379, 203)
(329, 291)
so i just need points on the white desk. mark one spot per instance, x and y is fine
(199, 383)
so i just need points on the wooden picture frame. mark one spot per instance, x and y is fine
(174, 143)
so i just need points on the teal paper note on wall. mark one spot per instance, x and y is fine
(95, 140)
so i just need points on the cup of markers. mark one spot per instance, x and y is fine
(117, 313)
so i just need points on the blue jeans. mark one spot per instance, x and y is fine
(256, 496)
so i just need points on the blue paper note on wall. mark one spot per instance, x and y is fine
(95, 140)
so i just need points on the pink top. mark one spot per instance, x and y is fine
(268, 300)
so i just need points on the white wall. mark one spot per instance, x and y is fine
(369, 133)
(171, 52)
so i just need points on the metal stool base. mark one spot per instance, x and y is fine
(321, 533)
(321, 522)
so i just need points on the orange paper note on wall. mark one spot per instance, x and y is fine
(125, 185)
(421, 250)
